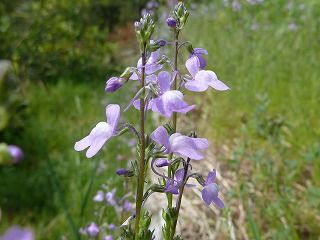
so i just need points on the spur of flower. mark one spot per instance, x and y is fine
(179, 144)
(210, 191)
(202, 79)
(101, 133)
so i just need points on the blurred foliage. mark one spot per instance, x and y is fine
(49, 40)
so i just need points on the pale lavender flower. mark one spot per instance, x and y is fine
(114, 84)
(99, 197)
(16, 153)
(101, 133)
(292, 26)
(110, 197)
(17, 233)
(127, 206)
(151, 66)
(210, 191)
(112, 227)
(109, 237)
(173, 186)
(168, 101)
(236, 6)
(199, 53)
(179, 144)
(202, 79)
(93, 230)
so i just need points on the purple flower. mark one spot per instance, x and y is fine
(101, 132)
(17, 233)
(93, 230)
(171, 22)
(173, 186)
(109, 237)
(112, 227)
(179, 144)
(151, 65)
(169, 101)
(199, 52)
(99, 197)
(202, 79)
(124, 172)
(113, 84)
(16, 153)
(210, 191)
(110, 197)
(127, 206)
(162, 162)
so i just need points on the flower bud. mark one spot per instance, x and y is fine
(144, 29)
(113, 84)
(154, 46)
(137, 26)
(124, 172)
(162, 162)
(171, 22)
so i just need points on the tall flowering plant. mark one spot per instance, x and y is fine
(160, 91)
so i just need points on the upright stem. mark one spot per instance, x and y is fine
(174, 116)
(140, 185)
(179, 199)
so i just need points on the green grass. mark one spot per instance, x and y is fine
(270, 118)
(53, 179)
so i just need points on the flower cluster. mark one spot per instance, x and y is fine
(161, 87)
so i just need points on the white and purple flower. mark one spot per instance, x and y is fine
(202, 79)
(101, 133)
(179, 144)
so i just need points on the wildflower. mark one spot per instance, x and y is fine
(151, 66)
(17, 233)
(110, 197)
(16, 153)
(210, 191)
(124, 172)
(179, 144)
(108, 237)
(171, 22)
(168, 101)
(202, 79)
(114, 84)
(173, 186)
(199, 52)
(101, 133)
(93, 230)
(236, 6)
(112, 227)
(127, 206)
(99, 197)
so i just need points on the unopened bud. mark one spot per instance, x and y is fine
(171, 22)
(162, 162)
(113, 84)
(124, 172)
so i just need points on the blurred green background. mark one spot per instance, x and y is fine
(265, 131)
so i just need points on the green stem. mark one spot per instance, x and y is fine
(174, 116)
(140, 185)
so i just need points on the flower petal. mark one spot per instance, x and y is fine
(218, 85)
(99, 135)
(218, 202)
(113, 114)
(83, 143)
(185, 146)
(193, 65)
(179, 174)
(209, 193)
(164, 81)
(211, 177)
(161, 136)
(200, 51)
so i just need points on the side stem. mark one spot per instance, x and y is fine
(140, 185)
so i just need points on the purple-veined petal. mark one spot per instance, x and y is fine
(164, 81)
(99, 135)
(83, 143)
(193, 65)
(218, 202)
(185, 146)
(211, 177)
(161, 136)
(113, 114)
